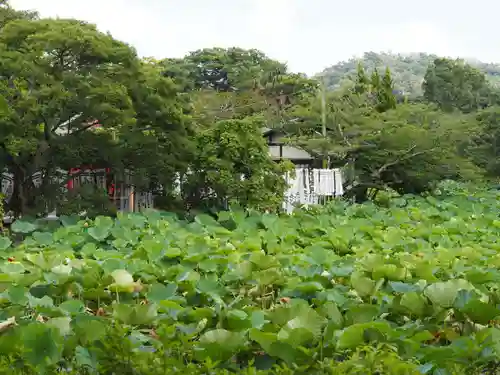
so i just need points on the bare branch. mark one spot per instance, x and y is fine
(83, 128)
(341, 132)
(406, 156)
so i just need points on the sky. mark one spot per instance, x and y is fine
(309, 35)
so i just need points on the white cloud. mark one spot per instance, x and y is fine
(309, 35)
(417, 37)
(126, 20)
(167, 28)
(324, 45)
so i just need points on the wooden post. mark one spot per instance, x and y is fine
(131, 200)
(323, 117)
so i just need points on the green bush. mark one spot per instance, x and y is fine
(86, 199)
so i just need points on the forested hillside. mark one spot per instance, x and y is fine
(407, 70)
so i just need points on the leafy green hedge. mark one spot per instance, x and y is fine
(345, 289)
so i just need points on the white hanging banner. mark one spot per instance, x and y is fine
(309, 186)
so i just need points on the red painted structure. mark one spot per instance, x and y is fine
(104, 177)
(110, 185)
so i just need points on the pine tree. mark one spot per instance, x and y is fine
(387, 99)
(362, 82)
(375, 82)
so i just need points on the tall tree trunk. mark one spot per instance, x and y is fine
(23, 199)
(18, 203)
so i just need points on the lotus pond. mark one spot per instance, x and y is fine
(410, 288)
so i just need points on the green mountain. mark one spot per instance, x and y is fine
(407, 70)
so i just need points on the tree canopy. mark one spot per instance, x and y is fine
(62, 78)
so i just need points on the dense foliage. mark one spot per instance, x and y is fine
(72, 96)
(189, 130)
(408, 70)
(345, 289)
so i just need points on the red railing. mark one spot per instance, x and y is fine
(91, 169)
